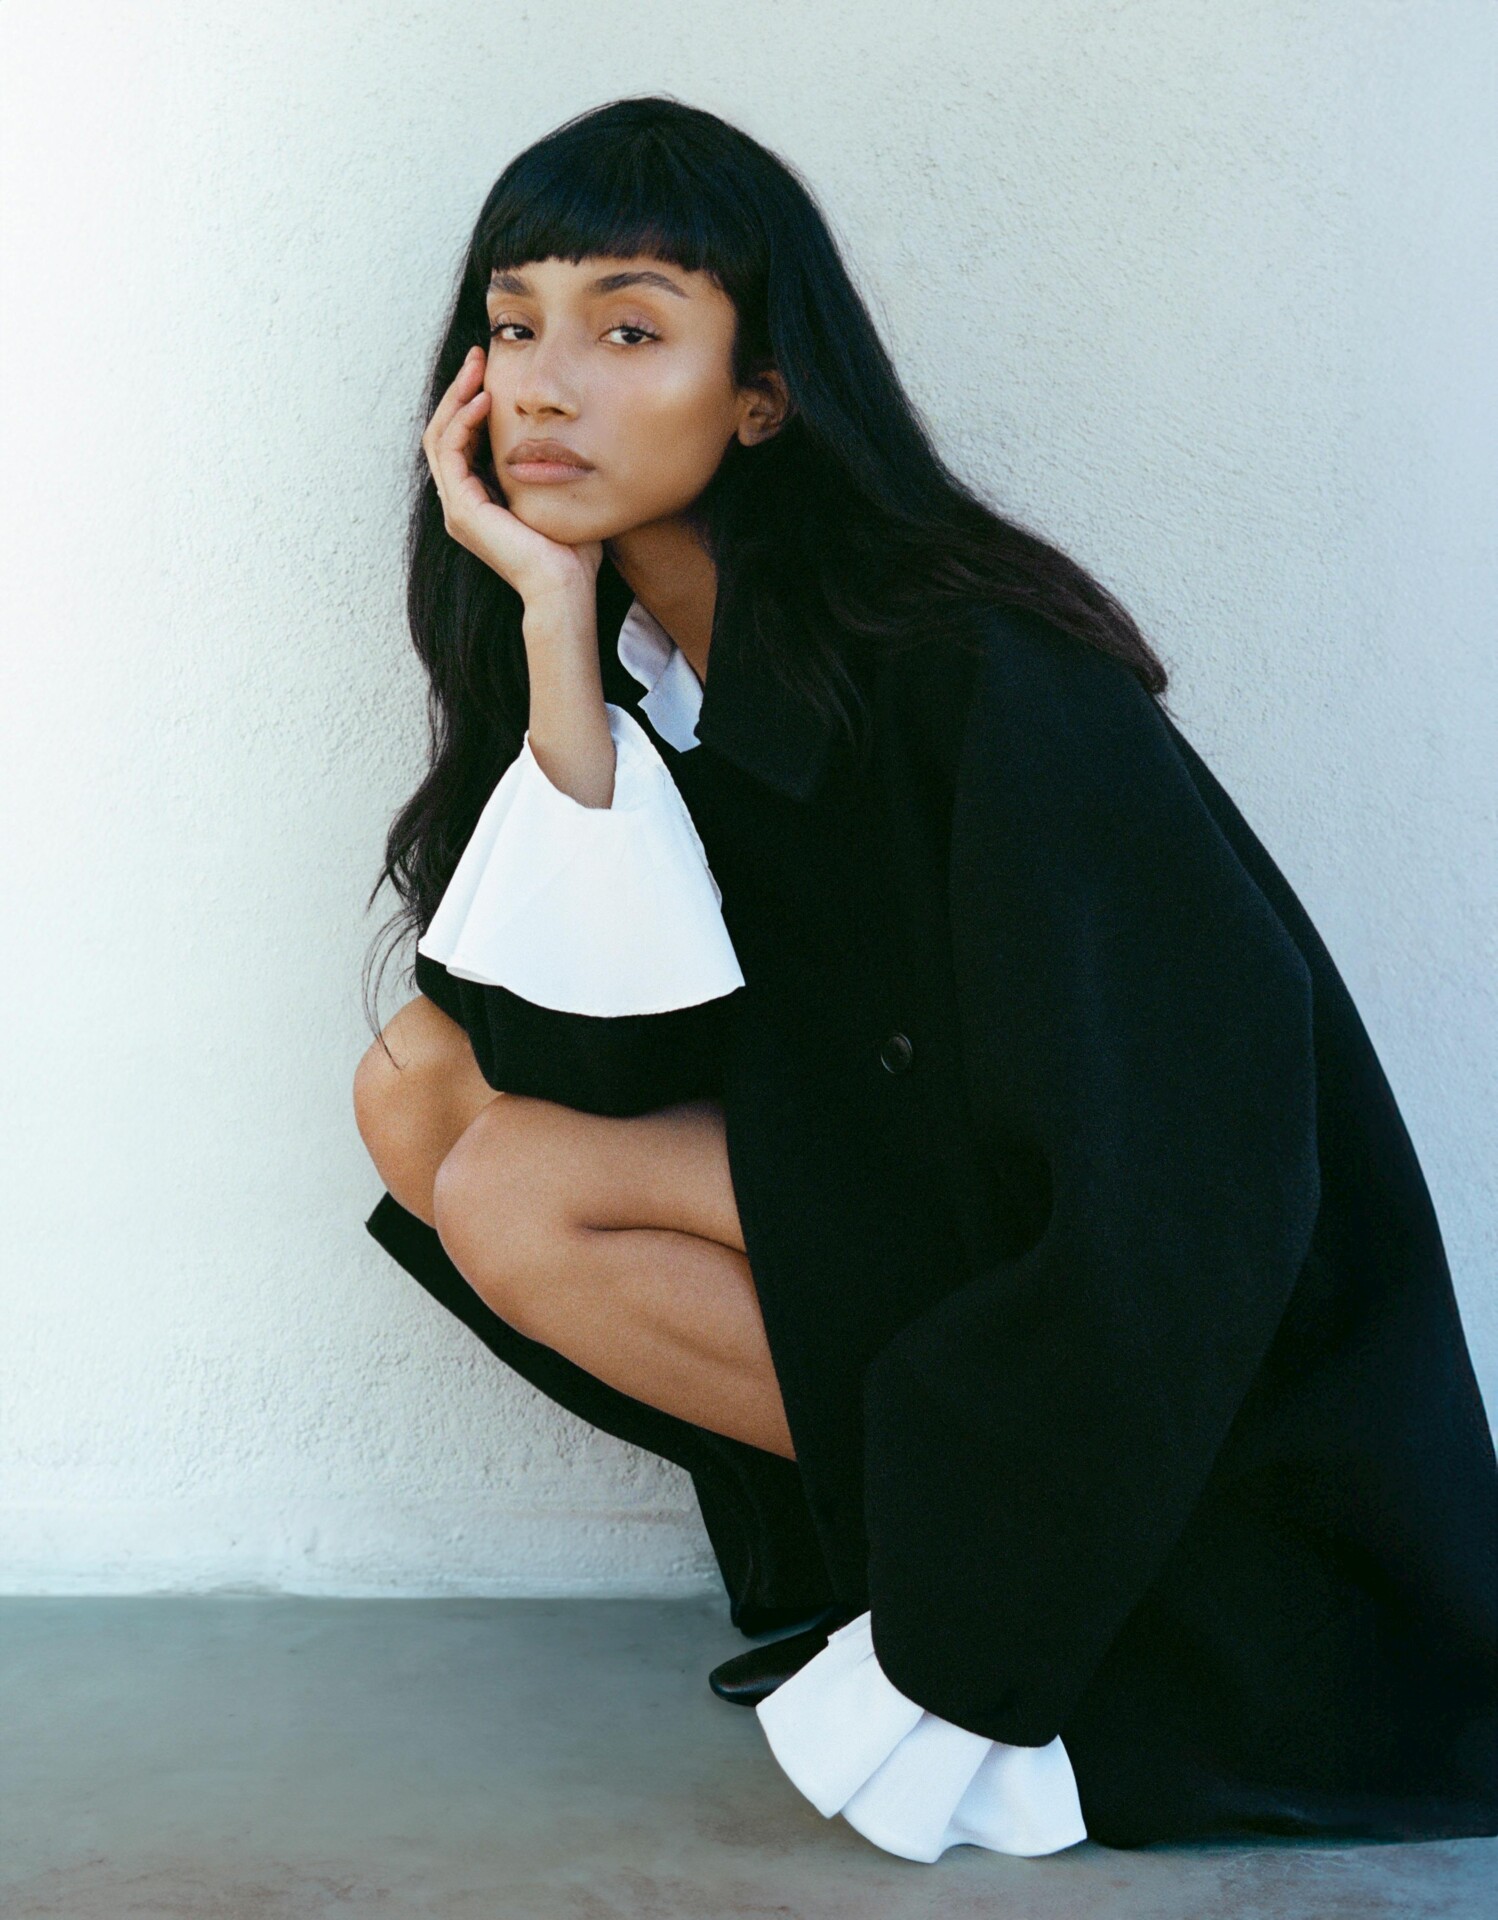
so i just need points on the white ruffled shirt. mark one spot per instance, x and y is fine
(614, 910)
(601, 910)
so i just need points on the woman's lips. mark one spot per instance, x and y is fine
(541, 462)
(544, 473)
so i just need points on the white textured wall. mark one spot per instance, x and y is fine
(1206, 292)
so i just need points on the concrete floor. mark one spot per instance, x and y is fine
(254, 1758)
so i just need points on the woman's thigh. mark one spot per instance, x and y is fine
(555, 1167)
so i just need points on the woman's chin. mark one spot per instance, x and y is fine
(570, 529)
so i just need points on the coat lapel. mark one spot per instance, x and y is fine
(748, 715)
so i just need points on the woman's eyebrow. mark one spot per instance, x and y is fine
(502, 281)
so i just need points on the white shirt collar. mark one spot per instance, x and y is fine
(673, 696)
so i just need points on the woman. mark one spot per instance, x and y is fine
(864, 1056)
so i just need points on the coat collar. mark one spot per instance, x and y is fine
(746, 713)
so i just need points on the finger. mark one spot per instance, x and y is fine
(459, 390)
(444, 444)
(461, 423)
(453, 442)
(459, 487)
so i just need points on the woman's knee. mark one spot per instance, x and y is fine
(387, 1082)
(379, 1090)
(378, 1086)
(405, 1084)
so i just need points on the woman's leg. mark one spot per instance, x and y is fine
(413, 1103)
(617, 1242)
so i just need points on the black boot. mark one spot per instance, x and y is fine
(747, 1678)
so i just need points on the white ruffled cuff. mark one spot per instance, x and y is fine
(600, 910)
(907, 1780)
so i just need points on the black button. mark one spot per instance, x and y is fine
(897, 1053)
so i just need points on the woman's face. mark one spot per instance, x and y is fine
(628, 364)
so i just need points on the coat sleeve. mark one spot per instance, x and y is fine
(1136, 1027)
(584, 949)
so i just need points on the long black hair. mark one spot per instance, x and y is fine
(843, 529)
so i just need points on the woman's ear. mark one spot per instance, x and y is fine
(769, 407)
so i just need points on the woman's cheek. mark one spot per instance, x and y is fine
(655, 485)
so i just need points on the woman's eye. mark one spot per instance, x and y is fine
(624, 326)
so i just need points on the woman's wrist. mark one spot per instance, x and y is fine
(569, 723)
(555, 614)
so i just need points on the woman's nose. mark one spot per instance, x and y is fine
(544, 383)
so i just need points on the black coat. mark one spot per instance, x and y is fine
(1108, 1304)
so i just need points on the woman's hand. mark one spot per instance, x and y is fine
(542, 571)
